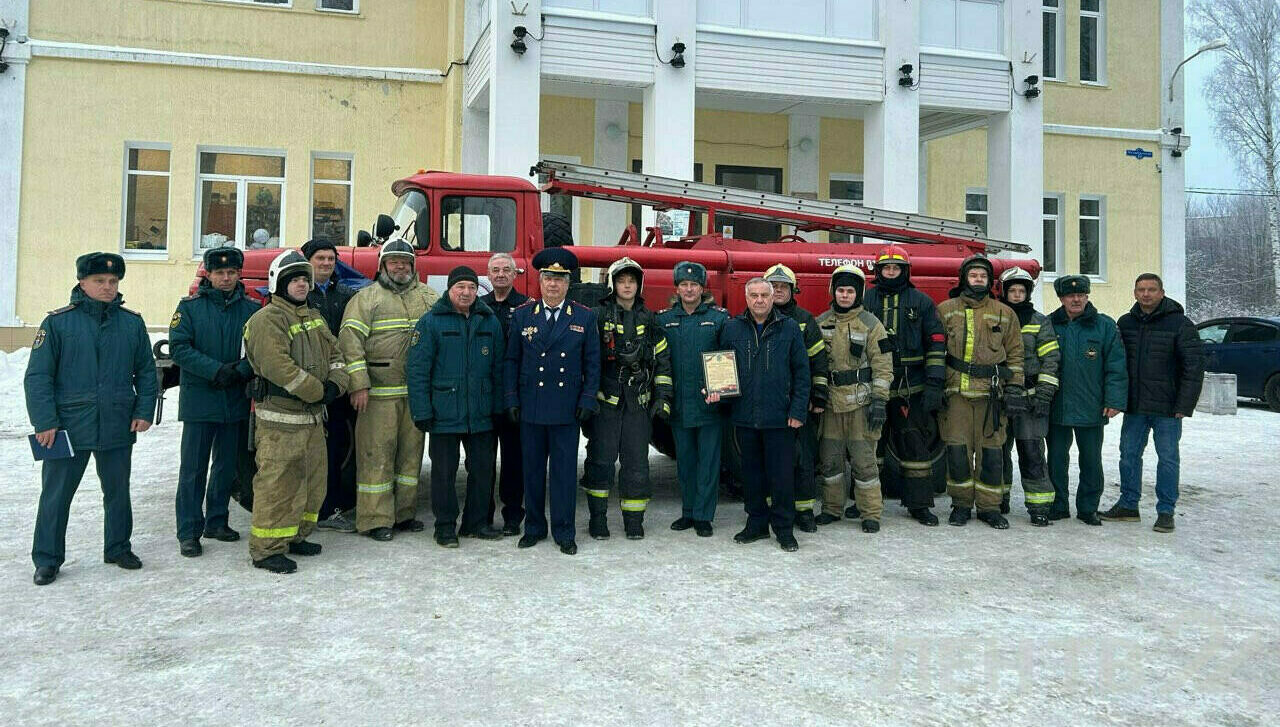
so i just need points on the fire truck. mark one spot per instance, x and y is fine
(462, 219)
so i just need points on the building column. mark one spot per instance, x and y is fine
(515, 89)
(13, 95)
(1173, 185)
(891, 130)
(803, 144)
(667, 138)
(1015, 143)
(612, 127)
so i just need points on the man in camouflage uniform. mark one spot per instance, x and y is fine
(376, 332)
(299, 371)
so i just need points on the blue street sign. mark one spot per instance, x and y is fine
(1138, 153)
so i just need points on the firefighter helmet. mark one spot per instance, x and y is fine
(893, 255)
(848, 275)
(780, 274)
(1017, 276)
(396, 247)
(283, 269)
(626, 265)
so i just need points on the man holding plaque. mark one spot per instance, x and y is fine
(772, 403)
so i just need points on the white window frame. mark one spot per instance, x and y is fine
(355, 8)
(955, 46)
(124, 199)
(350, 184)
(1101, 62)
(1101, 275)
(828, 22)
(847, 177)
(242, 197)
(1059, 235)
(286, 5)
(1059, 37)
(985, 214)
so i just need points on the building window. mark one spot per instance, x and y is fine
(759, 179)
(331, 189)
(974, 25)
(617, 7)
(854, 19)
(845, 187)
(1093, 236)
(1093, 41)
(975, 208)
(339, 6)
(1053, 238)
(241, 197)
(1053, 35)
(146, 199)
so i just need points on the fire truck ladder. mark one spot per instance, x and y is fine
(580, 180)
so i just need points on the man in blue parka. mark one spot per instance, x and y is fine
(454, 374)
(206, 337)
(91, 373)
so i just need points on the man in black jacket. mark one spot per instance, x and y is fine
(504, 299)
(1166, 371)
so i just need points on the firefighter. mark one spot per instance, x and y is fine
(503, 300)
(375, 336)
(785, 291)
(635, 385)
(92, 374)
(910, 448)
(1040, 371)
(299, 372)
(858, 392)
(206, 336)
(551, 377)
(692, 326)
(984, 381)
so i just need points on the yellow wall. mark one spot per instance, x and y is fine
(840, 151)
(567, 128)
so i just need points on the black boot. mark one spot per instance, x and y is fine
(277, 563)
(805, 522)
(826, 518)
(598, 528)
(851, 512)
(870, 526)
(960, 515)
(994, 519)
(303, 547)
(633, 525)
(1040, 519)
(924, 516)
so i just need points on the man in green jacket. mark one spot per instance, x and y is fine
(454, 373)
(92, 374)
(1094, 385)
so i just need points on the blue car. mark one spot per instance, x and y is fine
(1249, 348)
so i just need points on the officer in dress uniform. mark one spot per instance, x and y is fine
(551, 379)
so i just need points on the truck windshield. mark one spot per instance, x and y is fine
(406, 213)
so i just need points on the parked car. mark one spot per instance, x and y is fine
(1249, 348)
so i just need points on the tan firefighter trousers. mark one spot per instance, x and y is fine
(388, 463)
(293, 467)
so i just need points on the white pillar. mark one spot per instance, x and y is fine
(891, 130)
(667, 137)
(608, 219)
(475, 140)
(13, 94)
(515, 89)
(924, 175)
(802, 160)
(1015, 142)
(1173, 191)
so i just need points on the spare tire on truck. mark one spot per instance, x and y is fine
(557, 230)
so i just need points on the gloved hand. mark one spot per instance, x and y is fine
(1042, 400)
(582, 415)
(876, 415)
(424, 425)
(1015, 400)
(331, 392)
(662, 410)
(513, 415)
(932, 399)
(226, 376)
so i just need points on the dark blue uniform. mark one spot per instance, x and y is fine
(552, 370)
(206, 333)
(91, 372)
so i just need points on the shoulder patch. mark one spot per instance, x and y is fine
(39, 340)
(63, 309)
(129, 310)
(525, 304)
(176, 320)
(413, 340)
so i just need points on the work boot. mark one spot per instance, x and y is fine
(302, 547)
(485, 532)
(126, 560)
(994, 519)
(1089, 518)
(787, 542)
(1120, 514)
(446, 539)
(569, 547)
(682, 523)
(960, 515)
(190, 548)
(277, 563)
(750, 535)
(851, 512)
(825, 518)
(223, 533)
(339, 522)
(45, 575)
(924, 516)
(1164, 522)
(381, 535)
(1040, 519)
(702, 528)
(411, 525)
(870, 526)
(806, 522)
(598, 527)
(528, 541)
(1059, 515)
(633, 525)
(1004, 504)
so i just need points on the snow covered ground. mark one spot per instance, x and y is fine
(1069, 625)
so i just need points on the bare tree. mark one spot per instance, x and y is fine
(1228, 257)
(1241, 93)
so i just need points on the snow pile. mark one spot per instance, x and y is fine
(13, 403)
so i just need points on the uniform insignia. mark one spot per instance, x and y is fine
(707, 323)
(413, 340)
(40, 334)
(529, 331)
(1091, 353)
(912, 314)
(484, 350)
(575, 328)
(63, 309)
(177, 318)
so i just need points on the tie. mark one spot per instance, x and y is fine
(555, 313)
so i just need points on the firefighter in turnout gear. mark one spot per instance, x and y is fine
(785, 289)
(635, 385)
(375, 337)
(910, 448)
(984, 381)
(299, 372)
(858, 391)
(1040, 370)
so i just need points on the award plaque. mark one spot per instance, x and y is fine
(720, 371)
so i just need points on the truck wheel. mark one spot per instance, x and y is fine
(1271, 392)
(557, 231)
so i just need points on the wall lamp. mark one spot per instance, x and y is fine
(677, 53)
(4, 40)
(1176, 151)
(1033, 86)
(904, 70)
(518, 45)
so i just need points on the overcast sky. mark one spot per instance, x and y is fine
(1208, 163)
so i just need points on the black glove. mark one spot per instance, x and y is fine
(582, 415)
(424, 425)
(331, 392)
(226, 377)
(1042, 400)
(876, 415)
(662, 410)
(932, 399)
(1015, 400)
(513, 415)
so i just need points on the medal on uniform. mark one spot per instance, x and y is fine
(529, 331)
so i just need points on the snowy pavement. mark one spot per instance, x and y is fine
(1069, 625)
